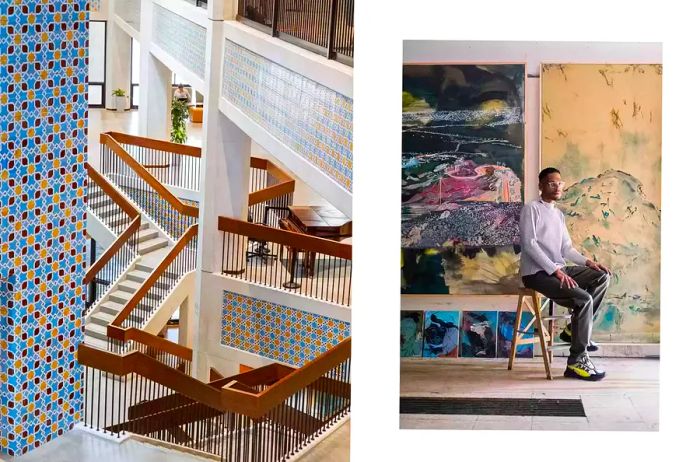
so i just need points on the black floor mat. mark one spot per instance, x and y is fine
(493, 406)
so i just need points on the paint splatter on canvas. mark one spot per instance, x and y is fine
(460, 269)
(601, 126)
(462, 161)
(411, 333)
(506, 321)
(441, 334)
(478, 334)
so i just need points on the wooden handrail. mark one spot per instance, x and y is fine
(290, 238)
(271, 192)
(112, 250)
(185, 209)
(158, 145)
(123, 238)
(114, 329)
(112, 192)
(152, 369)
(141, 336)
(236, 396)
(292, 383)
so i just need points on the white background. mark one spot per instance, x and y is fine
(380, 28)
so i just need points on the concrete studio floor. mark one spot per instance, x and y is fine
(626, 400)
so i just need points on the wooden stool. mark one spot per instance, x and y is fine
(544, 335)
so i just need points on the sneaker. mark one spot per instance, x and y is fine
(565, 337)
(583, 369)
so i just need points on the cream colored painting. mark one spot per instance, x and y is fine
(601, 126)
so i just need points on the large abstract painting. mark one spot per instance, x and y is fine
(601, 126)
(462, 177)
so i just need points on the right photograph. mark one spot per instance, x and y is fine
(530, 235)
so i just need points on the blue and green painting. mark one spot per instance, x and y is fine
(462, 162)
(441, 334)
(411, 334)
(478, 334)
(506, 330)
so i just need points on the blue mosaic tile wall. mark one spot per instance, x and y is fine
(278, 332)
(95, 5)
(312, 120)
(43, 150)
(182, 39)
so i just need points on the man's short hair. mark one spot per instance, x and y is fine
(547, 171)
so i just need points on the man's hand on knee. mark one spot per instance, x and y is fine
(565, 280)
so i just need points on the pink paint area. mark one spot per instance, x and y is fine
(467, 181)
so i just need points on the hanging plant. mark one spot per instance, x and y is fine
(179, 114)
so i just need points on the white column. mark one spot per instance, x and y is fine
(155, 84)
(222, 9)
(224, 192)
(118, 63)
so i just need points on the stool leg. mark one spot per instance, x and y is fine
(550, 303)
(540, 334)
(516, 327)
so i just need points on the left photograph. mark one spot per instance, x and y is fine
(176, 183)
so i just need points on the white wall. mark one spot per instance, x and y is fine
(532, 54)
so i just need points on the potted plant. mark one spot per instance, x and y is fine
(120, 100)
(179, 114)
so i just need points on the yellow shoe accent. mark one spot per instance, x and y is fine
(582, 372)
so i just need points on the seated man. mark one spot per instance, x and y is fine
(546, 244)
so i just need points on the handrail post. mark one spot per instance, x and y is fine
(275, 17)
(332, 23)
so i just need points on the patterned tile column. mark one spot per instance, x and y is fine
(43, 134)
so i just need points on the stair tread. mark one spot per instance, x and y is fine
(138, 275)
(92, 327)
(112, 305)
(96, 342)
(104, 316)
(128, 283)
(152, 244)
(121, 294)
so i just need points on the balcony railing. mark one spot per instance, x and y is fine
(267, 414)
(285, 260)
(325, 27)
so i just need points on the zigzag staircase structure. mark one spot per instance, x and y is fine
(139, 383)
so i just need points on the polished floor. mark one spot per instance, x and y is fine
(626, 400)
(81, 446)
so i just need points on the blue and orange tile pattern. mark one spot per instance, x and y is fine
(184, 40)
(43, 150)
(278, 332)
(309, 118)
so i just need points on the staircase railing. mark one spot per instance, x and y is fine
(306, 265)
(172, 164)
(267, 414)
(180, 260)
(103, 273)
(172, 214)
(271, 190)
(154, 165)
